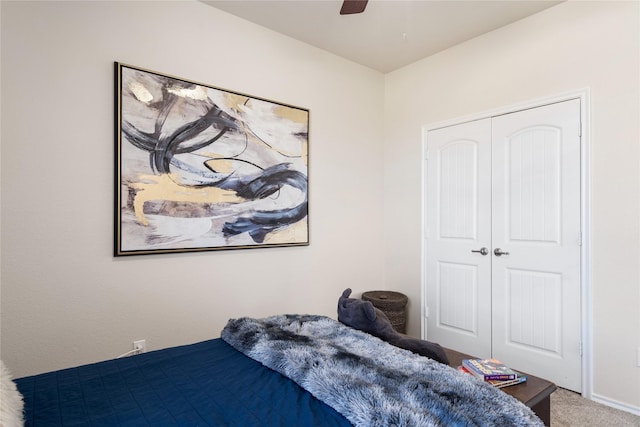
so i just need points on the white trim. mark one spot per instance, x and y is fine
(423, 238)
(585, 273)
(582, 94)
(635, 410)
(585, 213)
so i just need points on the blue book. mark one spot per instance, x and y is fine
(489, 369)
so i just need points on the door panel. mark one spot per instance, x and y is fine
(458, 221)
(534, 309)
(531, 165)
(536, 218)
(457, 289)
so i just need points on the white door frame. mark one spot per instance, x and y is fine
(585, 217)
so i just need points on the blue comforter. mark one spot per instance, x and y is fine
(203, 384)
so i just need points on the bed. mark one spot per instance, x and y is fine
(287, 370)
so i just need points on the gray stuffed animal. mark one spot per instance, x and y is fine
(362, 315)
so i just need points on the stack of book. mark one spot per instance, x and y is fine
(492, 371)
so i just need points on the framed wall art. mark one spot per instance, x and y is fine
(200, 168)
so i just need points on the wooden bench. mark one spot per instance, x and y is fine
(535, 392)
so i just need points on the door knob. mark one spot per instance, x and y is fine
(500, 252)
(481, 251)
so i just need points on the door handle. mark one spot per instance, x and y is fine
(481, 251)
(500, 252)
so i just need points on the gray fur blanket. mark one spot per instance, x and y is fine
(368, 381)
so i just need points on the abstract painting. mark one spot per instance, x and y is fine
(200, 168)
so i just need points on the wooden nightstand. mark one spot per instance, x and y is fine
(535, 392)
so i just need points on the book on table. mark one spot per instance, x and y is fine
(520, 378)
(489, 369)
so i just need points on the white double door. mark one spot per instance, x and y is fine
(503, 240)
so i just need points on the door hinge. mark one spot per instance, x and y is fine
(426, 311)
(580, 348)
(580, 238)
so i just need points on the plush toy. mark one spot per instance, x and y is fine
(362, 315)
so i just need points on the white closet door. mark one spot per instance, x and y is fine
(458, 210)
(536, 219)
(509, 184)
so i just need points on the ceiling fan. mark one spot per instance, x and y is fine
(350, 7)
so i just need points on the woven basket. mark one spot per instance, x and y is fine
(393, 304)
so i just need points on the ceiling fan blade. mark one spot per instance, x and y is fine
(350, 7)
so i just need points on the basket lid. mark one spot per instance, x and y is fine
(385, 296)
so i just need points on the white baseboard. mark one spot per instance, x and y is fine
(615, 404)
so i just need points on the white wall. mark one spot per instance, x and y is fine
(571, 46)
(65, 300)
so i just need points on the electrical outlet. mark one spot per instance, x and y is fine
(140, 346)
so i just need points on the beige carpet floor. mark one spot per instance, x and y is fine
(569, 409)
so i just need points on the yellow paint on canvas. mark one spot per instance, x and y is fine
(294, 233)
(296, 115)
(220, 165)
(233, 101)
(141, 93)
(198, 93)
(163, 187)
